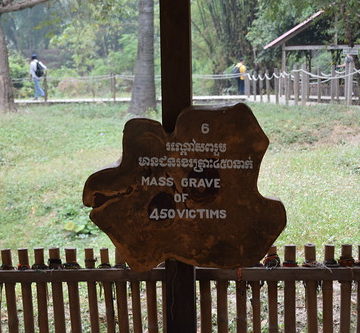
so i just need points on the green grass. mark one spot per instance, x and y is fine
(47, 153)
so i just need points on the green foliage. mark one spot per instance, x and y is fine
(19, 72)
(76, 221)
(97, 48)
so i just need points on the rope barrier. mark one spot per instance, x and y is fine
(225, 76)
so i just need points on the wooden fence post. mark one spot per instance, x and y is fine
(273, 262)
(109, 303)
(222, 307)
(346, 83)
(332, 84)
(350, 84)
(261, 74)
(13, 320)
(287, 80)
(327, 290)
(247, 84)
(337, 89)
(57, 292)
(346, 260)
(310, 291)
(296, 84)
(205, 306)
(73, 290)
(276, 84)
(92, 293)
(318, 90)
(46, 88)
(136, 306)
(267, 83)
(113, 85)
(254, 83)
(303, 85)
(26, 293)
(41, 293)
(290, 292)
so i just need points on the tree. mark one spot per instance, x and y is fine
(223, 25)
(6, 92)
(143, 92)
(344, 15)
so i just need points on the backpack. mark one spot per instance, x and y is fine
(39, 72)
(235, 70)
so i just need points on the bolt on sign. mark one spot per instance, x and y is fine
(190, 195)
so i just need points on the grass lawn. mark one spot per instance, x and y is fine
(47, 153)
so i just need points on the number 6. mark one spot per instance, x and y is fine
(205, 128)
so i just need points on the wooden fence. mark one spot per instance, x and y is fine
(275, 296)
(302, 86)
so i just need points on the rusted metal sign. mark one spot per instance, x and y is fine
(191, 195)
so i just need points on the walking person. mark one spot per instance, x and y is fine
(37, 70)
(240, 68)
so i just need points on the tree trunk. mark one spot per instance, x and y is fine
(7, 103)
(143, 92)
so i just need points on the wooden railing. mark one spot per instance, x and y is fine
(276, 296)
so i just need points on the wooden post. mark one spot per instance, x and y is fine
(176, 71)
(175, 31)
(92, 294)
(337, 89)
(267, 84)
(247, 85)
(46, 88)
(255, 303)
(276, 85)
(113, 85)
(261, 81)
(287, 88)
(151, 299)
(350, 82)
(13, 320)
(136, 306)
(57, 292)
(121, 297)
(332, 84)
(109, 303)
(289, 292)
(327, 290)
(296, 84)
(222, 306)
(241, 308)
(282, 81)
(73, 290)
(254, 75)
(345, 291)
(303, 85)
(318, 90)
(346, 84)
(41, 293)
(26, 293)
(273, 298)
(310, 290)
(205, 306)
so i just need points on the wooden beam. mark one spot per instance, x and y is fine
(176, 80)
(176, 85)
(158, 274)
(319, 47)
